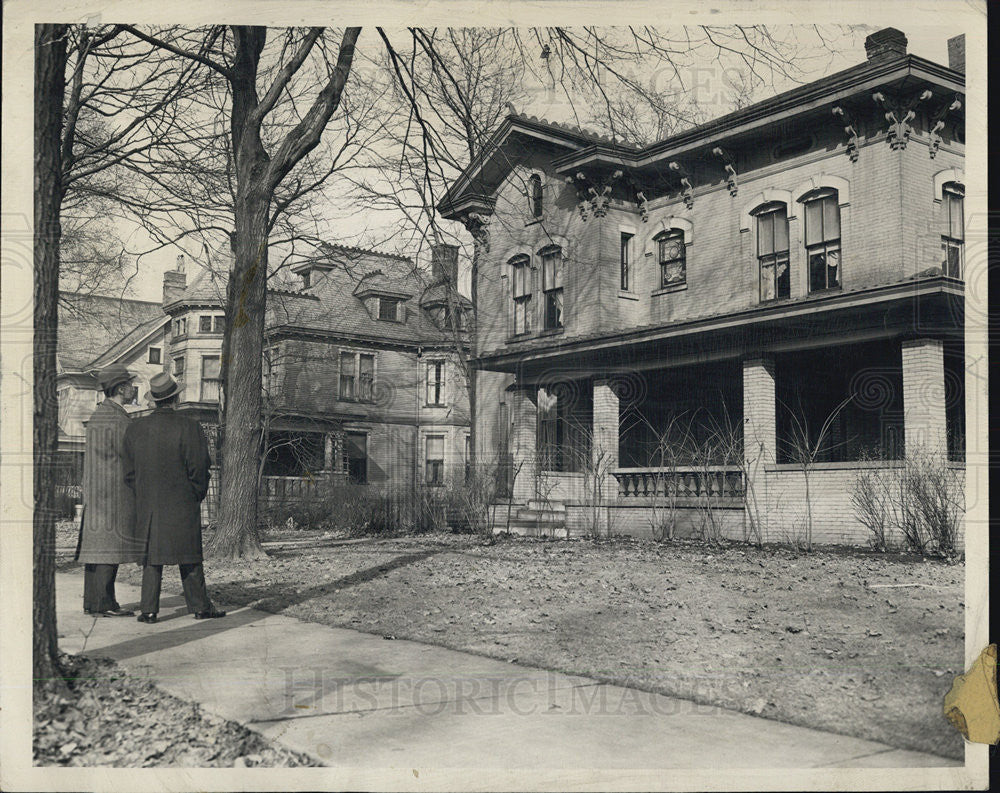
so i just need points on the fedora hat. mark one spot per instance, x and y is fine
(162, 386)
(111, 376)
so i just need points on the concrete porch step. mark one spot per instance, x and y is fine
(546, 515)
(542, 505)
(528, 528)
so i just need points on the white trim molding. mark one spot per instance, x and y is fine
(769, 195)
(841, 185)
(941, 178)
(667, 224)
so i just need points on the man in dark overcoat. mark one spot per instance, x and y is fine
(108, 535)
(166, 463)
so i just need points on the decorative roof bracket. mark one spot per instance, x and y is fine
(900, 117)
(851, 128)
(593, 195)
(728, 161)
(478, 225)
(938, 124)
(687, 192)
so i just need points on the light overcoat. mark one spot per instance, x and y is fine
(167, 464)
(108, 533)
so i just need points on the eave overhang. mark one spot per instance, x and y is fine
(799, 101)
(932, 306)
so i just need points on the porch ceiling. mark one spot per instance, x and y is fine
(929, 307)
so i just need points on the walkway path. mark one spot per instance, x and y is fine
(354, 699)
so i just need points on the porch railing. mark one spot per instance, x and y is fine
(714, 481)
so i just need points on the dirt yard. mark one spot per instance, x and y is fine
(849, 642)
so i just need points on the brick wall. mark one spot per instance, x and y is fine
(924, 397)
(889, 232)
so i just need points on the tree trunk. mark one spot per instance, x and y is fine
(237, 534)
(50, 79)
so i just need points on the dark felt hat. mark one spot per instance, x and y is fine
(111, 376)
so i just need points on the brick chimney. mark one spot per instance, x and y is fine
(444, 264)
(956, 53)
(885, 44)
(174, 282)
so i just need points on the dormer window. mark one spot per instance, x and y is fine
(306, 280)
(388, 309)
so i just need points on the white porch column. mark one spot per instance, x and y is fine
(760, 437)
(924, 423)
(328, 452)
(524, 416)
(760, 442)
(604, 449)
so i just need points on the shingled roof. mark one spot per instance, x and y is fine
(91, 325)
(331, 305)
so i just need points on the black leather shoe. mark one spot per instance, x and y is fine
(115, 612)
(146, 618)
(207, 615)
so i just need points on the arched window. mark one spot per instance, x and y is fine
(822, 233)
(953, 239)
(535, 195)
(672, 257)
(772, 250)
(521, 293)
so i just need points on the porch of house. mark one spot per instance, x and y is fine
(717, 449)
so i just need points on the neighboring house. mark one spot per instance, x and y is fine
(94, 332)
(644, 312)
(360, 372)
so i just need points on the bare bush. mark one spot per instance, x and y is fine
(922, 498)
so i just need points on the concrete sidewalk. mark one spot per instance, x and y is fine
(352, 699)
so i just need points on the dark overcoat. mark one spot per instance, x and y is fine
(108, 533)
(166, 462)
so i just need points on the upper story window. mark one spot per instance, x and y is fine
(180, 326)
(357, 376)
(388, 308)
(435, 383)
(953, 240)
(772, 251)
(155, 355)
(552, 287)
(672, 256)
(210, 378)
(179, 366)
(521, 294)
(211, 323)
(535, 195)
(822, 219)
(625, 282)
(306, 280)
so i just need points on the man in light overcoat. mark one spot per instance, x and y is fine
(108, 535)
(166, 463)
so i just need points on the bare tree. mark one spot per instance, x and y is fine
(50, 76)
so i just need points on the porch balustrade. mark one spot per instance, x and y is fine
(715, 481)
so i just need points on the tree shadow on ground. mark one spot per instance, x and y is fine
(272, 602)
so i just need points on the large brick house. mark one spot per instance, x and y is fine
(646, 313)
(362, 377)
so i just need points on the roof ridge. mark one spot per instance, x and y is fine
(354, 249)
